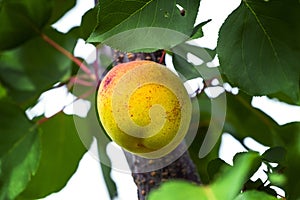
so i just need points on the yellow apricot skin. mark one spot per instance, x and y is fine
(144, 108)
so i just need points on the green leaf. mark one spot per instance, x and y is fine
(214, 168)
(62, 150)
(259, 47)
(202, 163)
(254, 195)
(291, 136)
(89, 128)
(105, 160)
(88, 23)
(236, 177)
(3, 91)
(177, 190)
(19, 150)
(106, 164)
(277, 179)
(253, 185)
(35, 66)
(254, 166)
(144, 25)
(21, 20)
(275, 155)
(197, 32)
(205, 117)
(283, 97)
(59, 8)
(243, 121)
(110, 184)
(186, 69)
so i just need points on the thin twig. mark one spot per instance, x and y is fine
(80, 64)
(83, 96)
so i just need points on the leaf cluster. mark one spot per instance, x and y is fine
(258, 51)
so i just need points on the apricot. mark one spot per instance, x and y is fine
(144, 108)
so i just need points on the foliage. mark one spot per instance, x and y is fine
(258, 50)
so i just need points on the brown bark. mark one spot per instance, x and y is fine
(181, 168)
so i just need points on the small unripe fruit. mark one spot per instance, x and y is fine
(144, 108)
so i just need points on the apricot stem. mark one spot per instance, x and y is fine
(162, 57)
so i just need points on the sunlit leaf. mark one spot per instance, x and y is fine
(254, 195)
(236, 177)
(173, 190)
(233, 177)
(277, 179)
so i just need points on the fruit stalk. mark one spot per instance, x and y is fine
(182, 168)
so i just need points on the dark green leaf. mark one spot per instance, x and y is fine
(106, 166)
(283, 97)
(260, 186)
(259, 47)
(91, 127)
(186, 69)
(88, 23)
(35, 66)
(254, 195)
(21, 20)
(253, 185)
(144, 25)
(105, 160)
(197, 32)
(275, 155)
(59, 8)
(62, 150)
(110, 184)
(19, 150)
(291, 136)
(243, 121)
(214, 168)
(202, 163)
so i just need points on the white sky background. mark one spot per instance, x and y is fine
(87, 182)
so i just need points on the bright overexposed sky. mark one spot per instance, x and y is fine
(87, 182)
